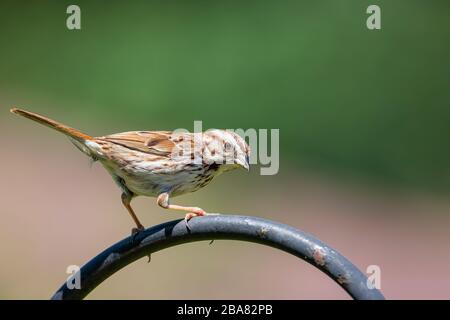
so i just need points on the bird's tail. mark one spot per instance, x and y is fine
(71, 132)
(81, 140)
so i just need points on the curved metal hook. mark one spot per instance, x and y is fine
(231, 227)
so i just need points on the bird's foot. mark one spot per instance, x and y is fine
(135, 231)
(196, 212)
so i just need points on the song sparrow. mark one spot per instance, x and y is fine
(160, 164)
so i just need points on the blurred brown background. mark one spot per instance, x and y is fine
(363, 118)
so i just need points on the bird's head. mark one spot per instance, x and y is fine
(227, 149)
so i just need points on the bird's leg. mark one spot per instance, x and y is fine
(126, 199)
(163, 201)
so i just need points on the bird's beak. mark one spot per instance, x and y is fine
(244, 164)
(247, 163)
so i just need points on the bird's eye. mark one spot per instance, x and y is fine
(227, 146)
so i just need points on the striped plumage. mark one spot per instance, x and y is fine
(159, 164)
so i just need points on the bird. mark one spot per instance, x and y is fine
(160, 164)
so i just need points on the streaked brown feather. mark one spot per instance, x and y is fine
(159, 143)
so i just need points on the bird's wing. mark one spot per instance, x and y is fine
(160, 143)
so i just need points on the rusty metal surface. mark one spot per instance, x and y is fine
(231, 227)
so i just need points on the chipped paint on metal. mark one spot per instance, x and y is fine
(319, 256)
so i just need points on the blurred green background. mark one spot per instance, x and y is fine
(355, 108)
(370, 103)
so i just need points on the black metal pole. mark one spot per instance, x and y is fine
(231, 227)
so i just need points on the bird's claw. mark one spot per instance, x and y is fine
(135, 231)
(197, 213)
(186, 221)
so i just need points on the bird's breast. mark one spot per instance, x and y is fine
(152, 179)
